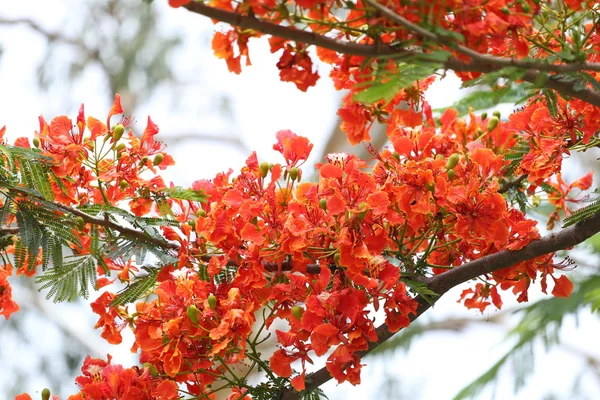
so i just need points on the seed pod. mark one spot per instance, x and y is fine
(212, 301)
(118, 132)
(323, 204)
(46, 394)
(294, 173)
(264, 169)
(483, 116)
(158, 159)
(492, 123)
(452, 161)
(451, 174)
(297, 312)
(192, 313)
(36, 142)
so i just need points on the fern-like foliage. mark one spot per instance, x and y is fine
(26, 168)
(137, 289)
(583, 213)
(71, 279)
(481, 100)
(541, 320)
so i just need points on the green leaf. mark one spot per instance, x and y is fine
(72, 279)
(180, 193)
(484, 99)
(138, 288)
(583, 214)
(388, 85)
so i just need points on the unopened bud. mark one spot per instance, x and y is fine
(483, 116)
(46, 394)
(297, 312)
(192, 313)
(452, 161)
(451, 174)
(158, 159)
(492, 123)
(264, 169)
(294, 173)
(151, 369)
(80, 223)
(118, 132)
(212, 301)
(36, 142)
(323, 204)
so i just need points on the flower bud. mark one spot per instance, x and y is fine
(483, 116)
(46, 394)
(452, 161)
(264, 169)
(120, 147)
(297, 312)
(118, 132)
(492, 123)
(497, 114)
(337, 257)
(151, 369)
(158, 159)
(192, 313)
(212, 301)
(123, 184)
(451, 174)
(323, 204)
(200, 213)
(36, 142)
(80, 223)
(294, 173)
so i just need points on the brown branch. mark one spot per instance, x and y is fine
(483, 63)
(564, 239)
(482, 58)
(440, 284)
(9, 231)
(515, 183)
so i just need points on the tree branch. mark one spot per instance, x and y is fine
(502, 62)
(440, 284)
(482, 63)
